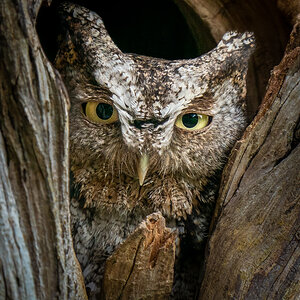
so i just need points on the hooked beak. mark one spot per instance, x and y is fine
(142, 168)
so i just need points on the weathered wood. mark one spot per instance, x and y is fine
(291, 9)
(254, 251)
(36, 256)
(143, 266)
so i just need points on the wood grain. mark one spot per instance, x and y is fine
(254, 250)
(37, 260)
(143, 266)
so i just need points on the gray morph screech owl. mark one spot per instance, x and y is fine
(146, 135)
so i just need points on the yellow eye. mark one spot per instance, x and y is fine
(192, 121)
(100, 112)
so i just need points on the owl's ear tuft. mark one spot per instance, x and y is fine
(236, 48)
(233, 54)
(73, 15)
(233, 41)
(86, 31)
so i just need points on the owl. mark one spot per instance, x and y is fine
(146, 135)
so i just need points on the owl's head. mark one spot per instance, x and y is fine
(135, 118)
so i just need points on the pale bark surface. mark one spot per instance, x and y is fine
(36, 256)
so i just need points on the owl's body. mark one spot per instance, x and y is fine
(180, 166)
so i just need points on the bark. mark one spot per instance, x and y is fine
(290, 8)
(36, 256)
(143, 266)
(254, 251)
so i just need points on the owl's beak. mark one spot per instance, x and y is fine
(142, 168)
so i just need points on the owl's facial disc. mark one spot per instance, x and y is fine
(104, 113)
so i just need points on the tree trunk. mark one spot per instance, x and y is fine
(36, 256)
(254, 251)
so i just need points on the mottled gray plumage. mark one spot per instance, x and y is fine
(149, 95)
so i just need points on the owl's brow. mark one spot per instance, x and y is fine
(205, 102)
(102, 89)
(96, 91)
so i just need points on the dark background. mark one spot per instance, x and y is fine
(153, 28)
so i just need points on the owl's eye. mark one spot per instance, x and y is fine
(100, 112)
(192, 121)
